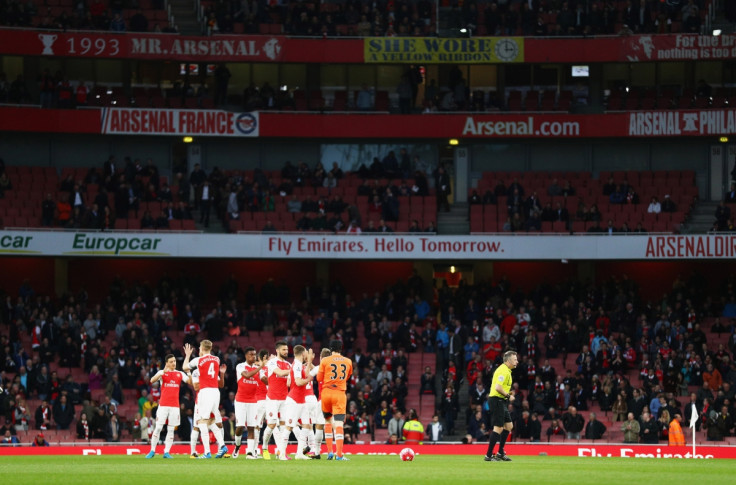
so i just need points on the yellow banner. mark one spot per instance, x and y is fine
(434, 50)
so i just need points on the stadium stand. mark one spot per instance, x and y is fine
(491, 211)
(33, 338)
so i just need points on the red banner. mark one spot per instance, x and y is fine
(49, 120)
(669, 123)
(580, 450)
(264, 48)
(221, 48)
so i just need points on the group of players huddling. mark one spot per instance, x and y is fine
(270, 388)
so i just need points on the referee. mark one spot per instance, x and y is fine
(500, 416)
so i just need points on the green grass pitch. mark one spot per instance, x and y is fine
(384, 470)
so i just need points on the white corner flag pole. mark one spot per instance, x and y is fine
(693, 420)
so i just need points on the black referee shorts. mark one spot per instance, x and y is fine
(499, 409)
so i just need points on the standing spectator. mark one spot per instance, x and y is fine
(112, 433)
(48, 89)
(573, 423)
(138, 22)
(83, 428)
(427, 382)
(435, 432)
(396, 424)
(555, 429)
(631, 429)
(63, 413)
(222, 78)
(196, 180)
(594, 430)
(98, 424)
(648, 429)
(43, 416)
(442, 185)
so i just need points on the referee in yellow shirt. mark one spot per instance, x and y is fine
(498, 406)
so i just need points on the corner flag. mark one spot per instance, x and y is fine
(693, 416)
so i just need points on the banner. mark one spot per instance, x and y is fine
(679, 47)
(137, 121)
(602, 450)
(435, 50)
(712, 122)
(168, 47)
(489, 247)
(144, 121)
(420, 50)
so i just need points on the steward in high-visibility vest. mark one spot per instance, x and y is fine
(413, 429)
(677, 438)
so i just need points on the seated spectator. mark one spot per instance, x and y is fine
(162, 221)
(117, 24)
(148, 222)
(654, 206)
(382, 227)
(610, 229)
(594, 215)
(489, 197)
(567, 189)
(269, 227)
(609, 187)
(40, 440)
(353, 228)
(554, 189)
(617, 196)
(364, 98)
(475, 199)
(668, 205)
(631, 196)
(183, 212)
(9, 439)
(294, 205)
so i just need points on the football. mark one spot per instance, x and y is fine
(407, 454)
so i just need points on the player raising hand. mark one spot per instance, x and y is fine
(208, 400)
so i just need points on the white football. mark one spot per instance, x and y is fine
(407, 454)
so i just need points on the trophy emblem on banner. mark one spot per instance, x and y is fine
(48, 42)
